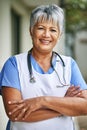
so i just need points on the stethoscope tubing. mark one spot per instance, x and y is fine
(32, 78)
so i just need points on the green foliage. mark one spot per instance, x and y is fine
(76, 15)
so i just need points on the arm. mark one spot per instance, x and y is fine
(70, 106)
(76, 76)
(28, 107)
(30, 110)
(10, 78)
(11, 94)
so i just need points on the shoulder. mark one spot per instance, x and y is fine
(71, 61)
(10, 62)
(13, 59)
(21, 55)
(21, 59)
(66, 59)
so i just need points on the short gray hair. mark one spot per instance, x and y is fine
(48, 13)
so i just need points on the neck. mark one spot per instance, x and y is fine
(43, 59)
(41, 55)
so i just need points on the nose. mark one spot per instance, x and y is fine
(46, 33)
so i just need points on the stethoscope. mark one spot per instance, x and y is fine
(32, 78)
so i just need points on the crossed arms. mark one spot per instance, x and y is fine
(74, 103)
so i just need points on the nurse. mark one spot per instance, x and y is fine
(37, 85)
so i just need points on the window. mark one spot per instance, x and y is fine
(15, 22)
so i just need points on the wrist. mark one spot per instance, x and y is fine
(45, 101)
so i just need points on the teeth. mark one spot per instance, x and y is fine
(45, 41)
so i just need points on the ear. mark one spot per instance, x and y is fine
(31, 31)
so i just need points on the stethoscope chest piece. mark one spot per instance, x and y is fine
(32, 80)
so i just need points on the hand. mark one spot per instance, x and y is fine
(25, 107)
(73, 91)
(83, 94)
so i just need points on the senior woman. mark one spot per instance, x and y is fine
(36, 85)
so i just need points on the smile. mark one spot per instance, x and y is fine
(45, 41)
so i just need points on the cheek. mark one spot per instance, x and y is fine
(56, 38)
(36, 35)
(35, 39)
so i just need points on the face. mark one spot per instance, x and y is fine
(45, 36)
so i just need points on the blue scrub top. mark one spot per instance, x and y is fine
(10, 77)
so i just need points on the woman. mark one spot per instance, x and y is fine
(36, 85)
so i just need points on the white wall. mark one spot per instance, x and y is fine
(26, 42)
(3, 116)
(5, 48)
(5, 31)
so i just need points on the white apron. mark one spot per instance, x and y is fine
(45, 85)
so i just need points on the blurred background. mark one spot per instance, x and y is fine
(15, 37)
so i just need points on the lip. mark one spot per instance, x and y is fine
(44, 41)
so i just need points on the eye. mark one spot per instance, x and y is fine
(53, 30)
(40, 28)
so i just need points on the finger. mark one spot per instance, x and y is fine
(29, 110)
(73, 89)
(15, 102)
(76, 93)
(20, 115)
(81, 95)
(27, 114)
(70, 89)
(17, 108)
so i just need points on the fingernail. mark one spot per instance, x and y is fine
(9, 113)
(9, 102)
(15, 118)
